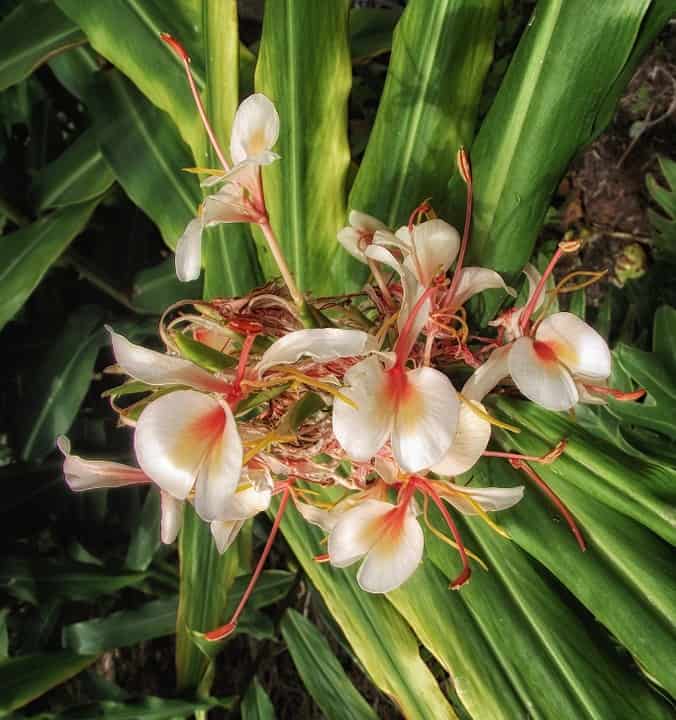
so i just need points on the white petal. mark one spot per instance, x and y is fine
(225, 206)
(541, 378)
(172, 517)
(474, 280)
(220, 472)
(363, 430)
(173, 436)
(435, 245)
(362, 221)
(325, 519)
(350, 239)
(357, 531)
(321, 344)
(189, 252)
(490, 499)
(577, 345)
(84, 474)
(155, 368)
(255, 128)
(387, 469)
(224, 533)
(248, 500)
(394, 557)
(471, 439)
(426, 420)
(486, 377)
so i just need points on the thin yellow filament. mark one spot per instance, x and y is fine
(488, 418)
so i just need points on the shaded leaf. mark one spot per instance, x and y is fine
(158, 287)
(371, 31)
(146, 536)
(256, 704)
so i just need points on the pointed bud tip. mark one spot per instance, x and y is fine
(175, 45)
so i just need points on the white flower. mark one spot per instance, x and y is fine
(387, 536)
(358, 235)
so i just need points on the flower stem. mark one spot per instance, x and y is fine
(277, 254)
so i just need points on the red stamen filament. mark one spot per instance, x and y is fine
(231, 625)
(466, 571)
(520, 465)
(183, 56)
(617, 394)
(402, 340)
(466, 172)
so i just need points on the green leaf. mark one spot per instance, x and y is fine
(664, 227)
(60, 383)
(158, 287)
(33, 580)
(322, 674)
(127, 33)
(202, 354)
(76, 69)
(379, 636)
(31, 34)
(25, 678)
(272, 586)
(664, 337)
(309, 82)
(371, 31)
(4, 635)
(256, 704)
(122, 629)
(27, 254)
(547, 108)
(441, 52)
(300, 411)
(206, 578)
(146, 536)
(150, 708)
(79, 174)
(146, 153)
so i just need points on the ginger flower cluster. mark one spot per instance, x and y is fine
(248, 400)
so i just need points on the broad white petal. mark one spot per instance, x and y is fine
(225, 206)
(362, 221)
(219, 474)
(357, 531)
(250, 498)
(224, 533)
(172, 517)
(399, 240)
(577, 345)
(363, 430)
(321, 344)
(426, 420)
(490, 499)
(350, 239)
(474, 280)
(173, 437)
(435, 245)
(84, 474)
(255, 128)
(471, 439)
(540, 377)
(189, 252)
(486, 377)
(325, 519)
(394, 557)
(155, 368)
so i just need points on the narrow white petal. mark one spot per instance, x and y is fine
(362, 221)
(435, 245)
(172, 517)
(155, 368)
(350, 239)
(250, 498)
(490, 499)
(173, 437)
(325, 519)
(541, 378)
(394, 557)
(363, 430)
(84, 474)
(224, 533)
(474, 280)
(357, 531)
(426, 420)
(189, 252)
(321, 344)
(227, 205)
(577, 345)
(486, 377)
(255, 128)
(219, 474)
(471, 439)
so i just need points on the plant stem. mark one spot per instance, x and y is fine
(277, 254)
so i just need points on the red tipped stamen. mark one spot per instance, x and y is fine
(321, 558)
(466, 571)
(617, 394)
(235, 391)
(402, 343)
(231, 625)
(520, 465)
(183, 56)
(415, 216)
(466, 173)
(564, 247)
